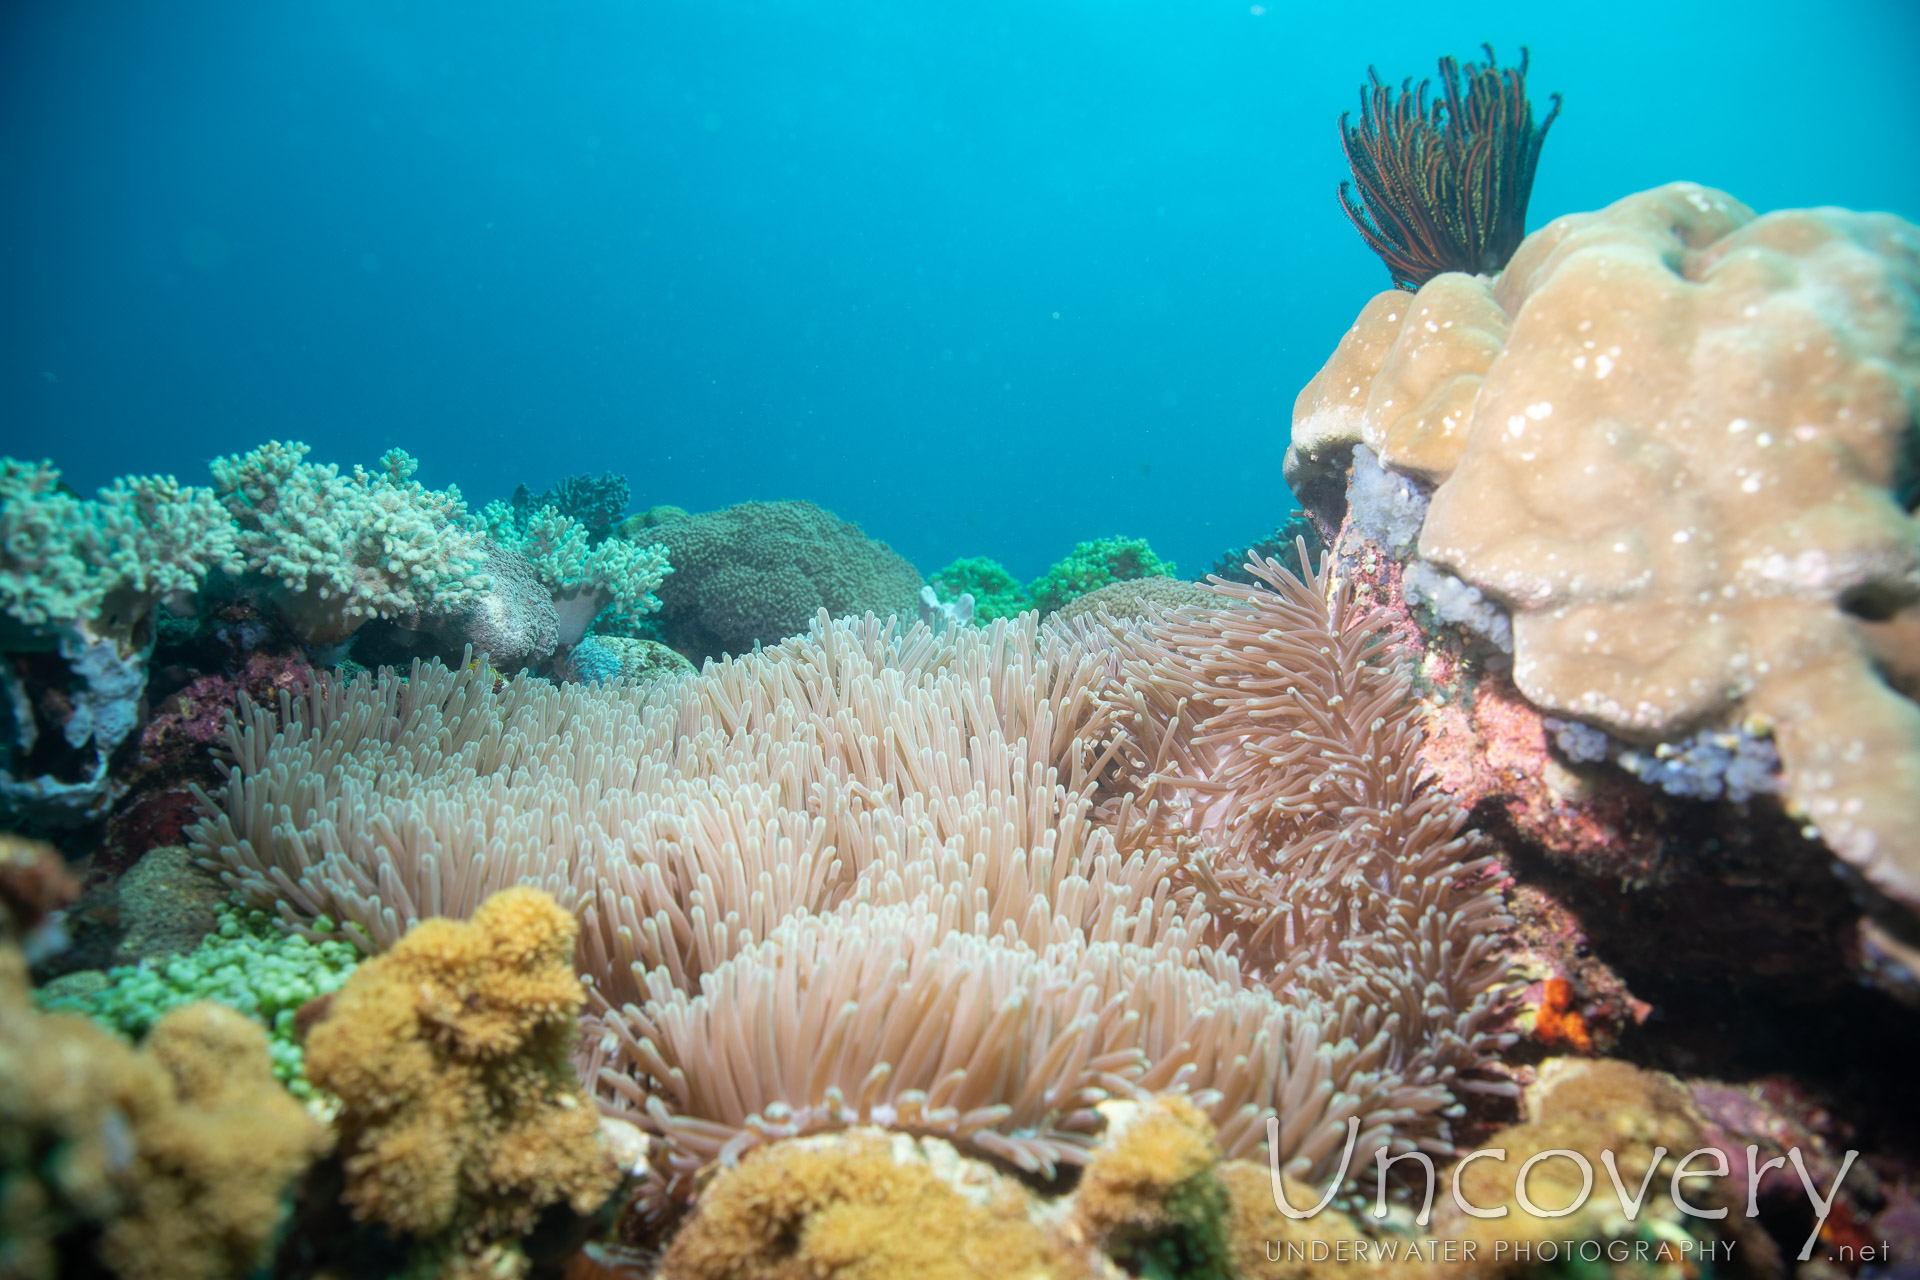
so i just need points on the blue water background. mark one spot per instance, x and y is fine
(986, 277)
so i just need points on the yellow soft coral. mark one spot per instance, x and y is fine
(1669, 437)
(461, 1118)
(175, 1159)
(863, 1206)
(1150, 1195)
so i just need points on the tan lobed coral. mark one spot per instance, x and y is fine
(460, 1116)
(1672, 437)
(1607, 1113)
(174, 1160)
(870, 877)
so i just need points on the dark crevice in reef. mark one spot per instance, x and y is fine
(1747, 951)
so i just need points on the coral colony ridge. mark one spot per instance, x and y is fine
(396, 887)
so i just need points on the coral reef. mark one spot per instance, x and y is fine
(81, 585)
(586, 579)
(340, 550)
(1093, 565)
(245, 963)
(856, 804)
(865, 1206)
(1667, 438)
(757, 573)
(1086, 928)
(460, 1118)
(1443, 186)
(166, 1163)
(1136, 598)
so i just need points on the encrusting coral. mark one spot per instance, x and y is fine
(1671, 436)
(460, 1117)
(917, 880)
(170, 1162)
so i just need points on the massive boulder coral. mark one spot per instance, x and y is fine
(1678, 440)
(757, 572)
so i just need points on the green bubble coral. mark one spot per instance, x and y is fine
(1093, 565)
(247, 964)
(996, 593)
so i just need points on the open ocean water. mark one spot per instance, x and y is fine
(986, 278)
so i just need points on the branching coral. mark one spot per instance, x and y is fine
(343, 549)
(1443, 185)
(84, 581)
(102, 567)
(597, 503)
(586, 578)
(460, 1117)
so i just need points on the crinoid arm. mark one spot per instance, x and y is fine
(1441, 182)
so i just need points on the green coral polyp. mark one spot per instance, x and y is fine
(1093, 565)
(247, 964)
